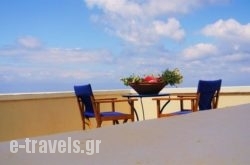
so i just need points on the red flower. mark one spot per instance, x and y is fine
(151, 79)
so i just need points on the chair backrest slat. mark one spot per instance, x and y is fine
(85, 95)
(208, 94)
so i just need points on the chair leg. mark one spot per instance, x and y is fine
(99, 125)
(88, 123)
(83, 125)
(125, 120)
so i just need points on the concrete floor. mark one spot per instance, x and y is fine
(210, 137)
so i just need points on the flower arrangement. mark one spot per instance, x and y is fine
(167, 77)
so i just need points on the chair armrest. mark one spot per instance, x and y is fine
(175, 98)
(113, 100)
(124, 100)
(187, 95)
(191, 98)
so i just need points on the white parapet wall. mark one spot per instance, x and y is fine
(34, 114)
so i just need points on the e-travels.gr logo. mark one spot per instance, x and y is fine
(53, 146)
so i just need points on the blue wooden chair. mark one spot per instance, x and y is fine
(206, 97)
(90, 107)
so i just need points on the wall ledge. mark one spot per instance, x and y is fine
(228, 90)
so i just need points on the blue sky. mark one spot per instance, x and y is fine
(51, 45)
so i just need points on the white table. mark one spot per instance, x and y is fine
(219, 136)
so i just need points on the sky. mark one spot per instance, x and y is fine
(52, 45)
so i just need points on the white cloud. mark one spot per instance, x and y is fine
(40, 54)
(72, 55)
(160, 7)
(29, 42)
(120, 7)
(142, 23)
(146, 34)
(200, 50)
(228, 30)
(138, 23)
(245, 69)
(44, 64)
(237, 57)
(169, 29)
(152, 8)
(233, 39)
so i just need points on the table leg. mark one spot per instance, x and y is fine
(163, 107)
(143, 115)
(133, 108)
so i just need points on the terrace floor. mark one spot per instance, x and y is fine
(218, 136)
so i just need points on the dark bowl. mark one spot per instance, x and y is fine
(147, 88)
